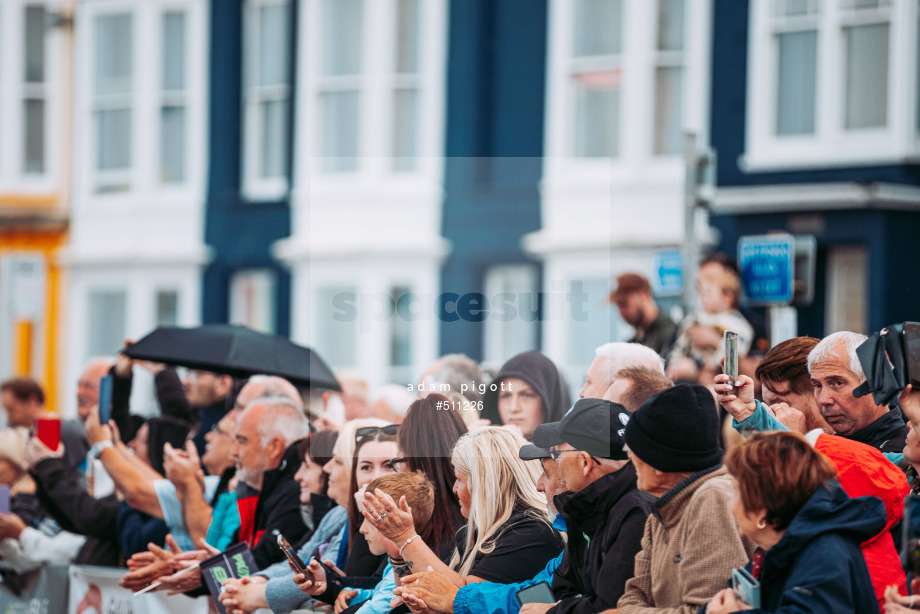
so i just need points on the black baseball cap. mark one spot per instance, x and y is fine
(531, 452)
(594, 426)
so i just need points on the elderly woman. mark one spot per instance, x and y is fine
(807, 529)
(507, 537)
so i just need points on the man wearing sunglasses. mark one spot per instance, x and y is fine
(603, 509)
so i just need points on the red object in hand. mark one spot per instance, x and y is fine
(48, 431)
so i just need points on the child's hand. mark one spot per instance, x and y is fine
(344, 598)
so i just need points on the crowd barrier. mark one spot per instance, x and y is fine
(77, 589)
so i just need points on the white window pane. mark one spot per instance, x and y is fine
(867, 76)
(671, 25)
(172, 144)
(167, 308)
(174, 51)
(339, 126)
(794, 8)
(272, 148)
(112, 57)
(598, 27)
(514, 329)
(34, 136)
(863, 4)
(795, 93)
(253, 299)
(405, 129)
(342, 36)
(273, 45)
(846, 305)
(35, 44)
(107, 312)
(597, 114)
(668, 123)
(337, 325)
(113, 139)
(408, 30)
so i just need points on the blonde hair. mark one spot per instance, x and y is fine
(499, 483)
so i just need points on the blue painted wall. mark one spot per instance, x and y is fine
(890, 237)
(494, 145)
(240, 232)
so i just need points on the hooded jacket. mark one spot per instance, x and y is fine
(540, 372)
(817, 565)
(607, 520)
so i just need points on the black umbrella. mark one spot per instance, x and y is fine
(235, 350)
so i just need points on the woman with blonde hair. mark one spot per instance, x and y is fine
(507, 537)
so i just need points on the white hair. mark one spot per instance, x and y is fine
(828, 348)
(280, 418)
(620, 355)
(275, 387)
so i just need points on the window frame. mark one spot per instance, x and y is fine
(255, 185)
(146, 100)
(376, 86)
(832, 144)
(13, 174)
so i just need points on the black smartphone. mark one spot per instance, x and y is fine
(105, 399)
(4, 499)
(538, 593)
(294, 558)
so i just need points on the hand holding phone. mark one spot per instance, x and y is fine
(730, 368)
(105, 400)
(292, 556)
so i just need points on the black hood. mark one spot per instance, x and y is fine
(539, 371)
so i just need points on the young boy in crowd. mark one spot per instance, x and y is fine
(419, 494)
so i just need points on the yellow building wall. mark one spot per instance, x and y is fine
(25, 333)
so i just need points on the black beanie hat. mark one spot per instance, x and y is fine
(677, 430)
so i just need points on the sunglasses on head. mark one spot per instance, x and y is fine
(366, 431)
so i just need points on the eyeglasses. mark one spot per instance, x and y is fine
(366, 431)
(391, 464)
(555, 454)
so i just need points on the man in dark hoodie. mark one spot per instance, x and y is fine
(528, 391)
(604, 511)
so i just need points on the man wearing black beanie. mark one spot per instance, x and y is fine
(691, 543)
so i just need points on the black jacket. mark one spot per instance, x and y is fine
(887, 433)
(277, 509)
(612, 512)
(818, 565)
(541, 373)
(62, 494)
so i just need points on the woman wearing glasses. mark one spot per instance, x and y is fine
(507, 537)
(274, 587)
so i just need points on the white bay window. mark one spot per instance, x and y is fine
(831, 83)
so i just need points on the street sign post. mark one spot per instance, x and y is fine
(767, 264)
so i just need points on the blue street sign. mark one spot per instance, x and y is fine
(668, 270)
(767, 264)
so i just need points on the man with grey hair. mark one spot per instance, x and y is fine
(610, 359)
(266, 456)
(453, 373)
(835, 372)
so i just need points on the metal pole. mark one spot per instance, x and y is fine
(691, 248)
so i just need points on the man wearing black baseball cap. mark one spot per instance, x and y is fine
(604, 511)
